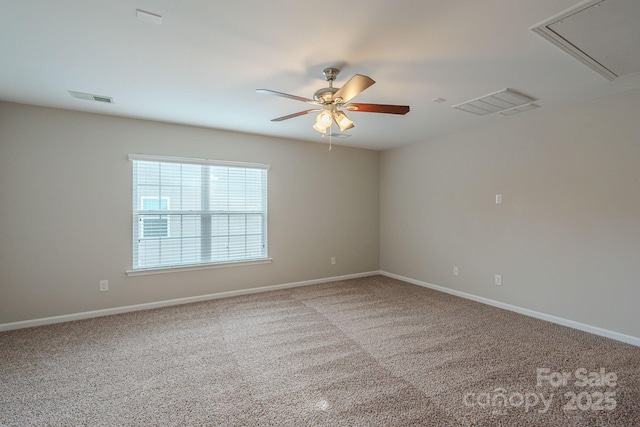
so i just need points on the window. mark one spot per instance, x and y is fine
(154, 226)
(192, 212)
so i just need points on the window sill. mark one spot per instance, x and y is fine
(161, 270)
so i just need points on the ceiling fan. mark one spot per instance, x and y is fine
(332, 101)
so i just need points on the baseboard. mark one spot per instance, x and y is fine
(166, 303)
(525, 311)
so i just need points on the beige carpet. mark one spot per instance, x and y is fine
(363, 352)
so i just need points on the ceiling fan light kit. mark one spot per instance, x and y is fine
(323, 121)
(331, 101)
(342, 120)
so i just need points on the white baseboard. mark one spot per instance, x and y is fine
(531, 313)
(166, 303)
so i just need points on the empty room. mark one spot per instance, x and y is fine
(279, 213)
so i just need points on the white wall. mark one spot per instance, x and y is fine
(566, 238)
(65, 210)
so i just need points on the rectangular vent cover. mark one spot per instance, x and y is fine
(602, 34)
(497, 102)
(91, 97)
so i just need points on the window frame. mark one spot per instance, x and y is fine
(133, 271)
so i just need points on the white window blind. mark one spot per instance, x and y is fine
(190, 212)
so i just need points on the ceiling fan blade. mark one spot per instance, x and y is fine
(286, 95)
(353, 87)
(378, 108)
(291, 116)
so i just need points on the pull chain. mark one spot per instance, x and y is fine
(330, 136)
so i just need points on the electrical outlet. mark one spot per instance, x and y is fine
(498, 280)
(456, 271)
(333, 260)
(498, 199)
(104, 285)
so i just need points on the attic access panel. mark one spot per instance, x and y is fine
(603, 34)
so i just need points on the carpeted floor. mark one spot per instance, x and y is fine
(365, 352)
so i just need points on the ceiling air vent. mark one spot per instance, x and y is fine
(602, 34)
(91, 97)
(498, 102)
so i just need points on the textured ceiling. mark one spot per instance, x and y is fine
(202, 64)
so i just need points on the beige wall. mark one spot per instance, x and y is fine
(65, 211)
(566, 238)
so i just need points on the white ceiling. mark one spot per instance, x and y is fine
(202, 65)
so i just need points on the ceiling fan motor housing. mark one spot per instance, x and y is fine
(325, 95)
